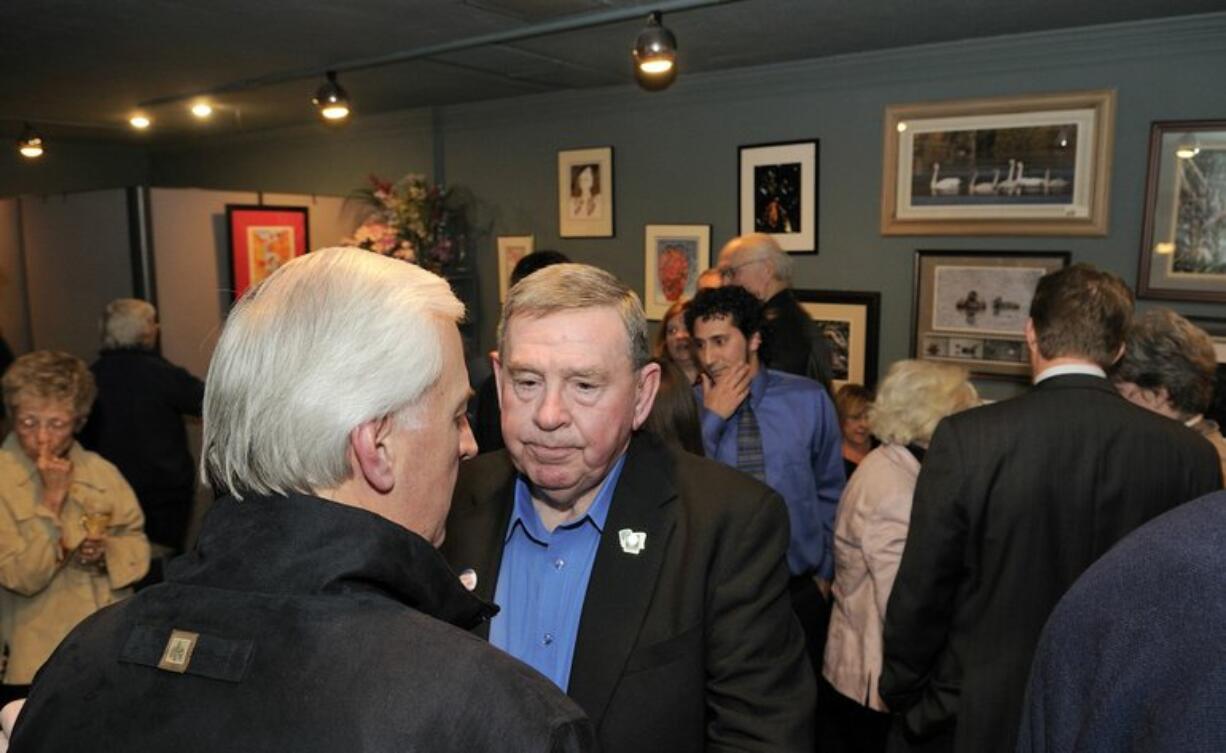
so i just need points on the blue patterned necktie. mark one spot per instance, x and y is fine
(749, 457)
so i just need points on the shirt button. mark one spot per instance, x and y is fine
(547, 640)
(559, 563)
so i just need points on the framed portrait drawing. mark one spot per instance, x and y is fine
(585, 193)
(850, 321)
(262, 238)
(777, 193)
(971, 308)
(511, 248)
(1035, 165)
(673, 256)
(1183, 235)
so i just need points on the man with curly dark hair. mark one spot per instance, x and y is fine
(778, 427)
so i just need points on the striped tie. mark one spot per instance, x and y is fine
(749, 457)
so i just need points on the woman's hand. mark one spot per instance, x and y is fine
(91, 551)
(56, 474)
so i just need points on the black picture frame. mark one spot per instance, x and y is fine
(856, 315)
(760, 210)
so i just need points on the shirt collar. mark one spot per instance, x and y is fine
(757, 386)
(1088, 369)
(524, 514)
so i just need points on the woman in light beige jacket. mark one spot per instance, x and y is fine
(869, 533)
(71, 531)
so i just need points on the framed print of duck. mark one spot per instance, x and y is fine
(1033, 165)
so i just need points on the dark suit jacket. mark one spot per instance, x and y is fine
(1013, 502)
(689, 645)
(791, 341)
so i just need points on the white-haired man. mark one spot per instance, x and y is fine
(649, 583)
(790, 340)
(312, 614)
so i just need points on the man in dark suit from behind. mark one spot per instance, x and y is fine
(1015, 500)
(648, 583)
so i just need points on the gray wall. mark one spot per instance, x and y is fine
(67, 166)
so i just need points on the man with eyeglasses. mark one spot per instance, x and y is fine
(791, 341)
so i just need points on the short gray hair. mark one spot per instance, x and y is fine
(566, 287)
(914, 397)
(1162, 349)
(126, 323)
(329, 341)
(763, 246)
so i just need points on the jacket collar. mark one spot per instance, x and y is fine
(301, 544)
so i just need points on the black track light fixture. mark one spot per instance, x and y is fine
(655, 55)
(30, 144)
(332, 100)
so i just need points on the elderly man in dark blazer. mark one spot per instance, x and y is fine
(648, 583)
(1014, 501)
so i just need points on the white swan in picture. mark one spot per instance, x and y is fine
(1027, 184)
(1053, 185)
(1008, 186)
(943, 186)
(985, 188)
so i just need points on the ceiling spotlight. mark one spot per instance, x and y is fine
(332, 99)
(30, 144)
(202, 110)
(655, 55)
(1187, 148)
(140, 122)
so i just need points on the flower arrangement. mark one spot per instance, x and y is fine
(413, 220)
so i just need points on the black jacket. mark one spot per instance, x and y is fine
(791, 341)
(321, 628)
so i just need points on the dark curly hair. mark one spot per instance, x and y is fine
(731, 301)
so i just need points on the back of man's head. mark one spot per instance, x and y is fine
(535, 262)
(1164, 350)
(331, 340)
(567, 287)
(731, 301)
(1081, 312)
(128, 323)
(762, 246)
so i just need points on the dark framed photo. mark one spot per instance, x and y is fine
(777, 193)
(1183, 235)
(1033, 165)
(673, 257)
(851, 323)
(585, 193)
(971, 308)
(262, 239)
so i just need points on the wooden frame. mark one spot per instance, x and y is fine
(943, 162)
(1183, 236)
(673, 257)
(777, 193)
(585, 193)
(851, 322)
(261, 239)
(971, 307)
(511, 248)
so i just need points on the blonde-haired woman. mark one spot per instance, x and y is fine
(870, 531)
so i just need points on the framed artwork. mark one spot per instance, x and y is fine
(585, 193)
(1037, 165)
(673, 257)
(1215, 326)
(511, 248)
(1183, 235)
(262, 238)
(971, 308)
(851, 322)
(777, 193)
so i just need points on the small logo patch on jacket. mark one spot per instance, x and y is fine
(178, 653)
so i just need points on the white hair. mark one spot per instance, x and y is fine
(329, 341)
(762, 246)
(127, 323)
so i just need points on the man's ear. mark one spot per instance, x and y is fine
(1032, 337)
(372, 454)
(755, 342)
(645, 392)
(1120, 354)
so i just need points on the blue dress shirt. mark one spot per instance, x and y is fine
(803, 448)
(543, 580)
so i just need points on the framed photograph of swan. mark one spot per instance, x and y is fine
(585, 193)
(1183, 235)
(850, 321)
(1036, 165)
(971, 308)
(777, 193)
(511, 248)
(674, 256)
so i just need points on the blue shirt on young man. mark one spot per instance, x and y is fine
(543, 581)
(803, 451)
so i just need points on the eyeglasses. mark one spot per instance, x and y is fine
(31, 424)
(727, 273)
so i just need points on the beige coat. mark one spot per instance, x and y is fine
(869, 534)
(45, 594)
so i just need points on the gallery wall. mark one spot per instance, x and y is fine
(675, 152)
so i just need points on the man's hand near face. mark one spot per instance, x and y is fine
(725, 394)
